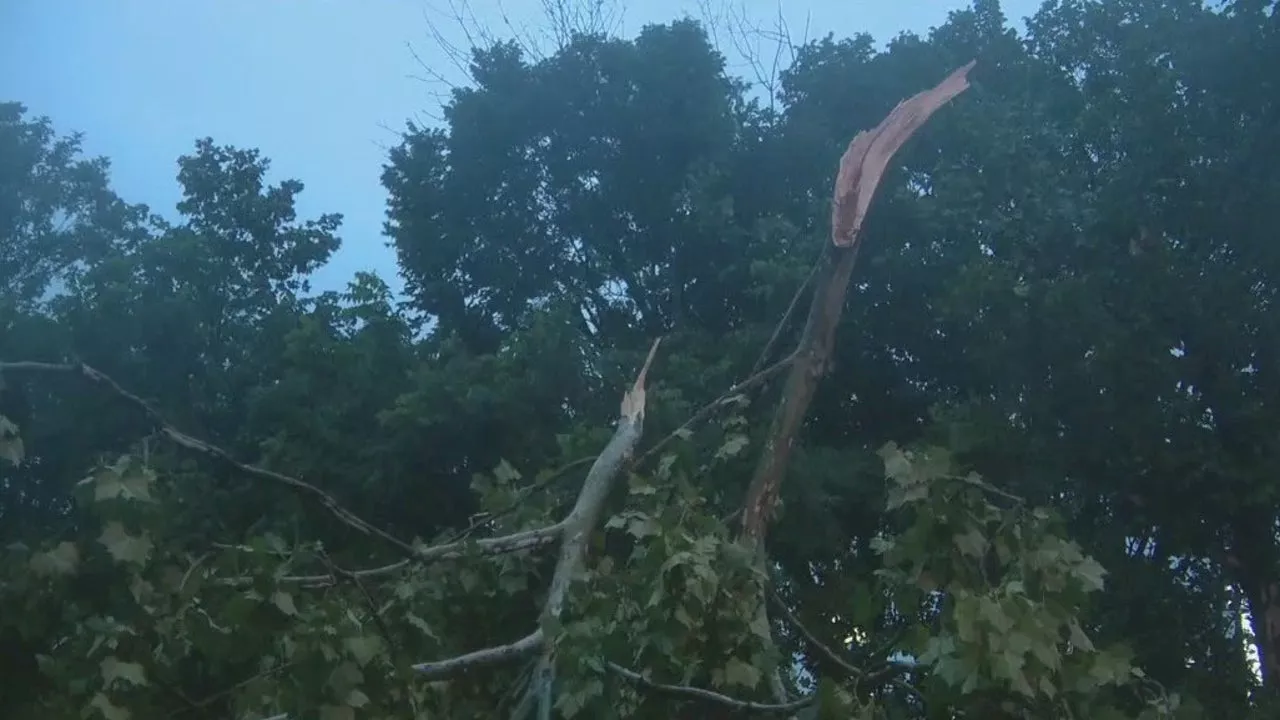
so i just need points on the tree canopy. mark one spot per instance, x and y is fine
(943, 383)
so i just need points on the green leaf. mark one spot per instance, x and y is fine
(284, 603)
(345, 676)
(972, 543)
(759, 626)
(881, 545)
(357, 699)
(113, 669)
(11, 448)
(123, 546)
(126, 481)
(337, 712)
(363, 648)
(1047, 687)
(642, 526)
(1078, 638)
(731, 447)
(741, 674)
(505, 472)
(108, 710)
(896, 464)
(833, 702)
(63, 559)
(1091, 574)
(995, 614)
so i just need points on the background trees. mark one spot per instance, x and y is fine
(1066, 281)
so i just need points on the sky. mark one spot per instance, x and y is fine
(321, 87)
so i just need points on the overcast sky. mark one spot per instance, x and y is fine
(320, 86)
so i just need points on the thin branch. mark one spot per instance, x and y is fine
(207, 701)
(886, 672)
(205, 448)
(522, 648)
(812, 639)
(546, 535)
(387, 636)
(523, 540)
(710, 695)
(729, 396)
(787, 315)
(521, 495)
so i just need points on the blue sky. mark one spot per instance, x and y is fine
(320, 86)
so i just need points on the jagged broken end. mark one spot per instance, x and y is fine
(633, 400)
(868, 154)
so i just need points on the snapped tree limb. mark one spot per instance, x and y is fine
(861, 168)
(574, 530)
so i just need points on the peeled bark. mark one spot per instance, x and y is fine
(861, 168)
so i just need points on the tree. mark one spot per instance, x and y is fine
(282, 521)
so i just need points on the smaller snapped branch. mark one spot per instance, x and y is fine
(861, 167)
(574, 531)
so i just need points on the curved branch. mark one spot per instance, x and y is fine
(522, 648)
(197, 445)
(710, 695)
(886, 672)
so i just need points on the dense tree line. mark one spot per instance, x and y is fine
(224, 494)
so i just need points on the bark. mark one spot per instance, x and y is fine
(861, 168)
(1254, 562)
(1264, 613)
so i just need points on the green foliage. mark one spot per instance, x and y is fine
(1006, 595)
(1067, 282)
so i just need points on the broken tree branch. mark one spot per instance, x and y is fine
(574, 531)
(861, 168)
(525, 540)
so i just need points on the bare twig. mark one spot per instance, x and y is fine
(710, 695)
(787, 314)
(886, 671)
(812, 639)
(522, 494)
(727, 397)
